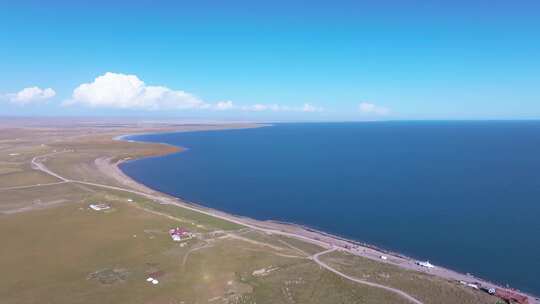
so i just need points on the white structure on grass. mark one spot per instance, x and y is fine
(426, 264)
(99, 207)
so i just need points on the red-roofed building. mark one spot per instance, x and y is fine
(177, 234)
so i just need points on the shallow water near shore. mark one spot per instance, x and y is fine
(465, 195)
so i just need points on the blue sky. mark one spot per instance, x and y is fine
(279, 60)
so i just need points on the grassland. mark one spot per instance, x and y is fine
(55, 249)
(424, 286)
(72, 254)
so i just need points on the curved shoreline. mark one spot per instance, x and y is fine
(305, 233)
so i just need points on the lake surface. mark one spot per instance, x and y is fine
(465, 195)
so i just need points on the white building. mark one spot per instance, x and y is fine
(426, 264)
(99, 207)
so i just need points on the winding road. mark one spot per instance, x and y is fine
(37, 165)
(403, 294)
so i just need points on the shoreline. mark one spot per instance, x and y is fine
(324, 239)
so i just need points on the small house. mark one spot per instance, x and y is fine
(99, 207)
(177, 234)
(425, 264)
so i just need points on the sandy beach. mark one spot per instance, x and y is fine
(303, 233)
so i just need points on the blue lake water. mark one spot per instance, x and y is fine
(465, 195)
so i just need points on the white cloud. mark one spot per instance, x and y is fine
(262, 107)
(224, 105)
(280, 108)
(369, 108)
(311, 108)
(115, 90)
(30, 95)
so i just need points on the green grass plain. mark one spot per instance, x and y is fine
(425, 287)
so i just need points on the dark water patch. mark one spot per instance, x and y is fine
(463, 194)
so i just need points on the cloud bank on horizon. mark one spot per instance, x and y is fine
(125, 91)
(30, 95)
(370, 108)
